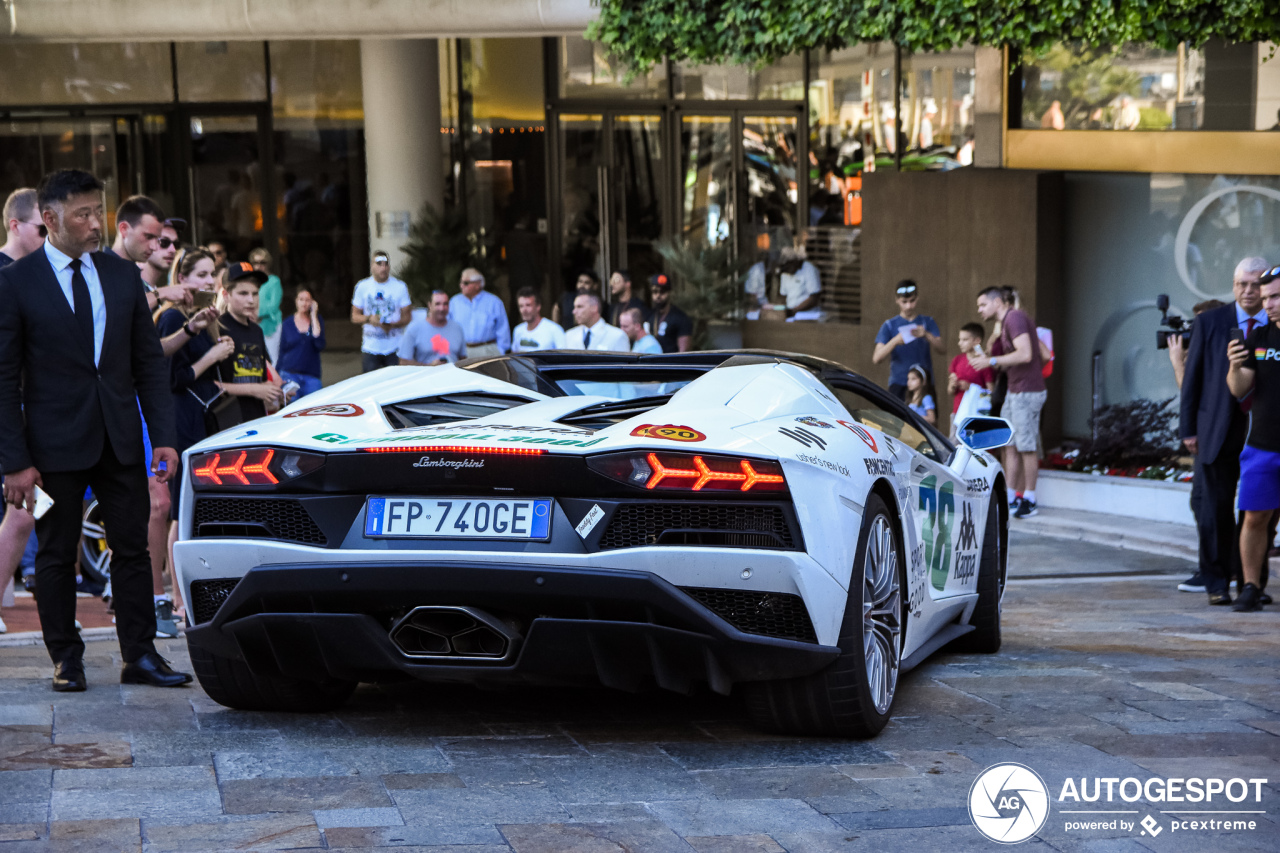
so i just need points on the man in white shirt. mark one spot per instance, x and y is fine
(481, 315)
(632, 321)
(380, 304)
(800, 285)
(536, 332)
(592, 332)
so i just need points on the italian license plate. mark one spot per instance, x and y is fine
(457, 518)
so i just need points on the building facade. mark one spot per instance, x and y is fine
(321, 137)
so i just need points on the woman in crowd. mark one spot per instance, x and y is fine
(301, 341)
(269, 297)
(191, 372)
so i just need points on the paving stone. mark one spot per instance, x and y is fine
(21, 831)
(101, 718)
(27, 715)
(607, 812)
(256, 796)
(327, 818)
(505, 749)
(16, 737)
(433, 837)
(953, 839)
(528, 803)
(785, 783)
(158, 793)
(900, 818)
(33, 812)
(619, 837)
(727, 817)
(19, 786)
(790, 753)
(434, 848)
(614, 778)
(153, 749)
(420, 781)
(274, 832)
(875, 771)
(594, 732)
(1188, 744)
(734, 844)
(1170, 709)
(59, 755)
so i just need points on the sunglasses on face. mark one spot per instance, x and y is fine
(165, 242)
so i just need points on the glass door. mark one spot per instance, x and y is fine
(739, 176)
(227, 181)
(612, 177)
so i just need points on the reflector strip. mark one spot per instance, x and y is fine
(458, 448)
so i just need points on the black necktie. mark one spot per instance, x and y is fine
(586, 339)
(83, 306)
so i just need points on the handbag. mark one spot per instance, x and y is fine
(222, 412)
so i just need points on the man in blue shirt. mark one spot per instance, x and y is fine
(481, 315)
(907, 339)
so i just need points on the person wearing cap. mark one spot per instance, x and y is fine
(622, 297)
(481, 315)
(380, 304)
(244, 374)
(672, 327)
(800, 285)
(906, 339)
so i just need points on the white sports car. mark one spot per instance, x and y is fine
(723, 518)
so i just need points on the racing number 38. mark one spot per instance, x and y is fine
(940, 504)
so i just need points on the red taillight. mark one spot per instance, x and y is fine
(456, 448)
(662, 471)
(250, 466)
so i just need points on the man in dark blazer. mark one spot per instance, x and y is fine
(78, 352)
(1213, 427)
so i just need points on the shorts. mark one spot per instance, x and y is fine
(1259, 480)
(1022, 409)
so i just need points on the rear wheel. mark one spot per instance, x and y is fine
(230, 682)
(985, 637)
(95, 557)
(853, 696)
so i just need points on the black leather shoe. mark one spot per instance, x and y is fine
(1219, 598)
(68, 677)
(1263, 598)
(154, 670)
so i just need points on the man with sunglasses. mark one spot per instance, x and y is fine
(25, 232)
(907, 339)
(380, 304)
(155, 272)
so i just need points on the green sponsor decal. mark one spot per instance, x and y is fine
(331, 437)
(334, 438)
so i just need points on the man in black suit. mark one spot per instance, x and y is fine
(1213, 427)
(78, 352)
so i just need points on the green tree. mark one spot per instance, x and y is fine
(440, 247)
(643, 32)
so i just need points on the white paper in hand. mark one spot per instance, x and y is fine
(43, 503)
(907, 332)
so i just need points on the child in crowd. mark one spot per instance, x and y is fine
(918, 398)
(244, 375)
(961, 375)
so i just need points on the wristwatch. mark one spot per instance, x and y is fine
(186, 327)
(993, 361)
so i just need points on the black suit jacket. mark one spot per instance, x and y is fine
(56, 407)
(1208, 408)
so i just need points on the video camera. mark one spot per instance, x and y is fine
(1175, 325)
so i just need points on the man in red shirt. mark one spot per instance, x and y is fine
(961, 375)
(1020, 360)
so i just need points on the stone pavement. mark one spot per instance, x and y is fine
(1106, 671)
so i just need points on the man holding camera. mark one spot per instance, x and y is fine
(1213, 427)
(1255, 371)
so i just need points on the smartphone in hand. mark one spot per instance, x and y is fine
(1237, 335)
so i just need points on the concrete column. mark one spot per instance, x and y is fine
(401, 82)
(988, 107)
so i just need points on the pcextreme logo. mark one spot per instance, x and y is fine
(1008, 802)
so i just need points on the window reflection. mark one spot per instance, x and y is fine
(126, 72)
(221, 71)
(587, 71)
(783, 80)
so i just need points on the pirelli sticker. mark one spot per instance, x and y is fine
(669, 432)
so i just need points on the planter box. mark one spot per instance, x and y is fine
(1150, 500)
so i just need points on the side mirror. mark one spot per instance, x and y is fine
(984, 433)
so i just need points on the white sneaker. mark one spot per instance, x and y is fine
(4, 629)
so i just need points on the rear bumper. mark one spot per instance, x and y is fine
(625, 629)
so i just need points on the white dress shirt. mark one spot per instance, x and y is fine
(604, 338)
(1242, 319)
(62, 269)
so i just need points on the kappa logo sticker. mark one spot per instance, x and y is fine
(670, 432)
(810, 420)
(333, 410)
(805, 437)
(331, 437)
(857, 430)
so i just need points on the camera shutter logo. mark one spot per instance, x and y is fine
(1008, 803)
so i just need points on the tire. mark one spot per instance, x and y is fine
(852, 696)
(230, 682)
(95, 558)
(985, 638)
